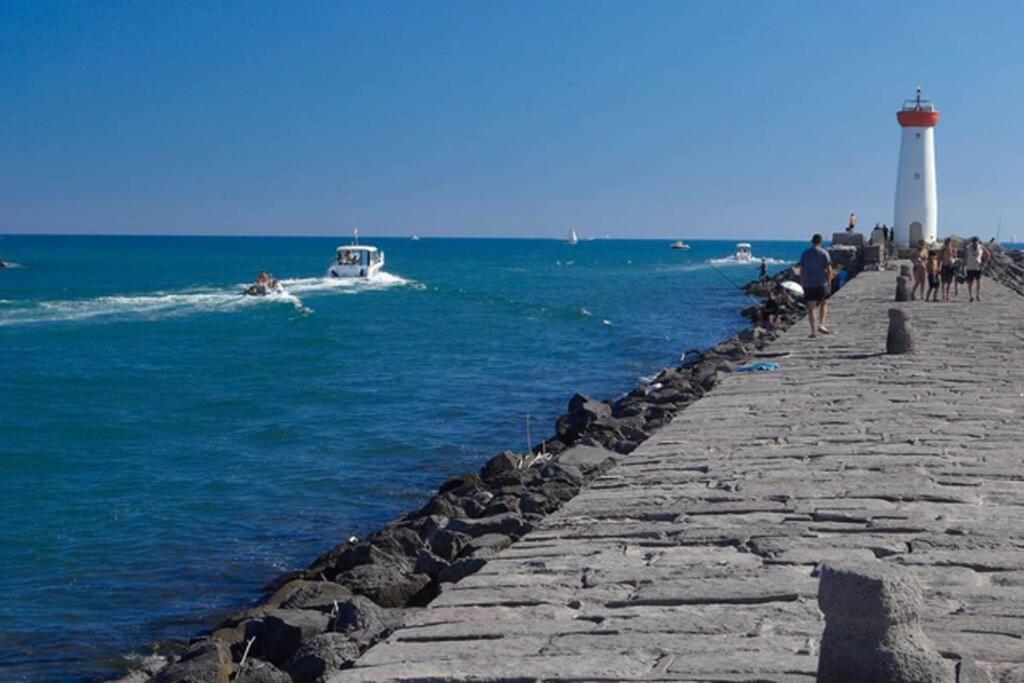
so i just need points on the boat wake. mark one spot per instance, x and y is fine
(754, 262)
(160, 305)
(309, 285)
(142, 307)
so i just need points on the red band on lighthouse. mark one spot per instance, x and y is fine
(917, 118)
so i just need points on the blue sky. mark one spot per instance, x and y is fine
(638, 119)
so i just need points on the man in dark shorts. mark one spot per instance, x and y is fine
(947, 266)
(974, 260)
(814, 263)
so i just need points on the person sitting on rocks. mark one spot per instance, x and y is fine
(769, 311)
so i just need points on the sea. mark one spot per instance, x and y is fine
(168, 445)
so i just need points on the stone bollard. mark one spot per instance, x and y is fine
(901, 334)
(902, 288)
(872, 632)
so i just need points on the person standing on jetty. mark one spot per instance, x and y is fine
(763, 270)
(975, 255)
(933, 277)
(918, 259)
(814, 264)
(947, 262)
(853, 222)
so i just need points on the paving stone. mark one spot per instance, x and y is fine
(694, 558)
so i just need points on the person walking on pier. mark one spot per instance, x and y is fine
(975, 255)
(814, 264)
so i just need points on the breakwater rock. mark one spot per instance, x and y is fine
(318, 620)
(1006, 267)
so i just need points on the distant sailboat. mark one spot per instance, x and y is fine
(573, 237)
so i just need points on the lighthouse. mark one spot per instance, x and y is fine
(916, 201)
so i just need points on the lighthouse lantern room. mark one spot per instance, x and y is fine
(916, 201)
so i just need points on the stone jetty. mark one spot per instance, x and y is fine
(697, 556)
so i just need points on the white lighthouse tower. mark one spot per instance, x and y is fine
(917, 204)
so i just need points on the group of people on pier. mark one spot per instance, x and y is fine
(944, 269)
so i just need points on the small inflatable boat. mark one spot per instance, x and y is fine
(258, 289)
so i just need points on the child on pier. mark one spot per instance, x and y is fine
(933, 277)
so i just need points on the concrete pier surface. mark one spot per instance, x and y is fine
(695, 558)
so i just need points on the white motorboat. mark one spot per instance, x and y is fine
(679, 244)
(356, 260)
(573, 238)
(743, 252)
(415, 238)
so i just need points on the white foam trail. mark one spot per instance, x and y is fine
(346, 285)
(145, 307)
(189, 302)
(756, 261)
(11, 264)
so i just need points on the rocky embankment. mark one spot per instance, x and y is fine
(319, 620)
(1007, 267)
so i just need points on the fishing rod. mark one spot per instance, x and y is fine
(732, 282)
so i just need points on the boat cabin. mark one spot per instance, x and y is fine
(355, 260)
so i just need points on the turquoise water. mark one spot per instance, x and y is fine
(169, 445)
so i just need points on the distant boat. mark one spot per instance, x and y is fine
(1013, 238)
(573, 237)
(679, 244)
(743, 253)
(415, 238)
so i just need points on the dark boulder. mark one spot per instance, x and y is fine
(258, 671)
(397, 540)
(208, 661)
(564, 471)
(362, 620)
(705, 374)
(463, 485)
(342, 558)
(490, 542)
(507, 503)
(584, 414)
(321, 656)
(389, 585)
(302, 594)
(442, 505)
(503, 462)
(430, 564)
(284, 630)
(461, 569)
(447, 543)
(508, 524)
